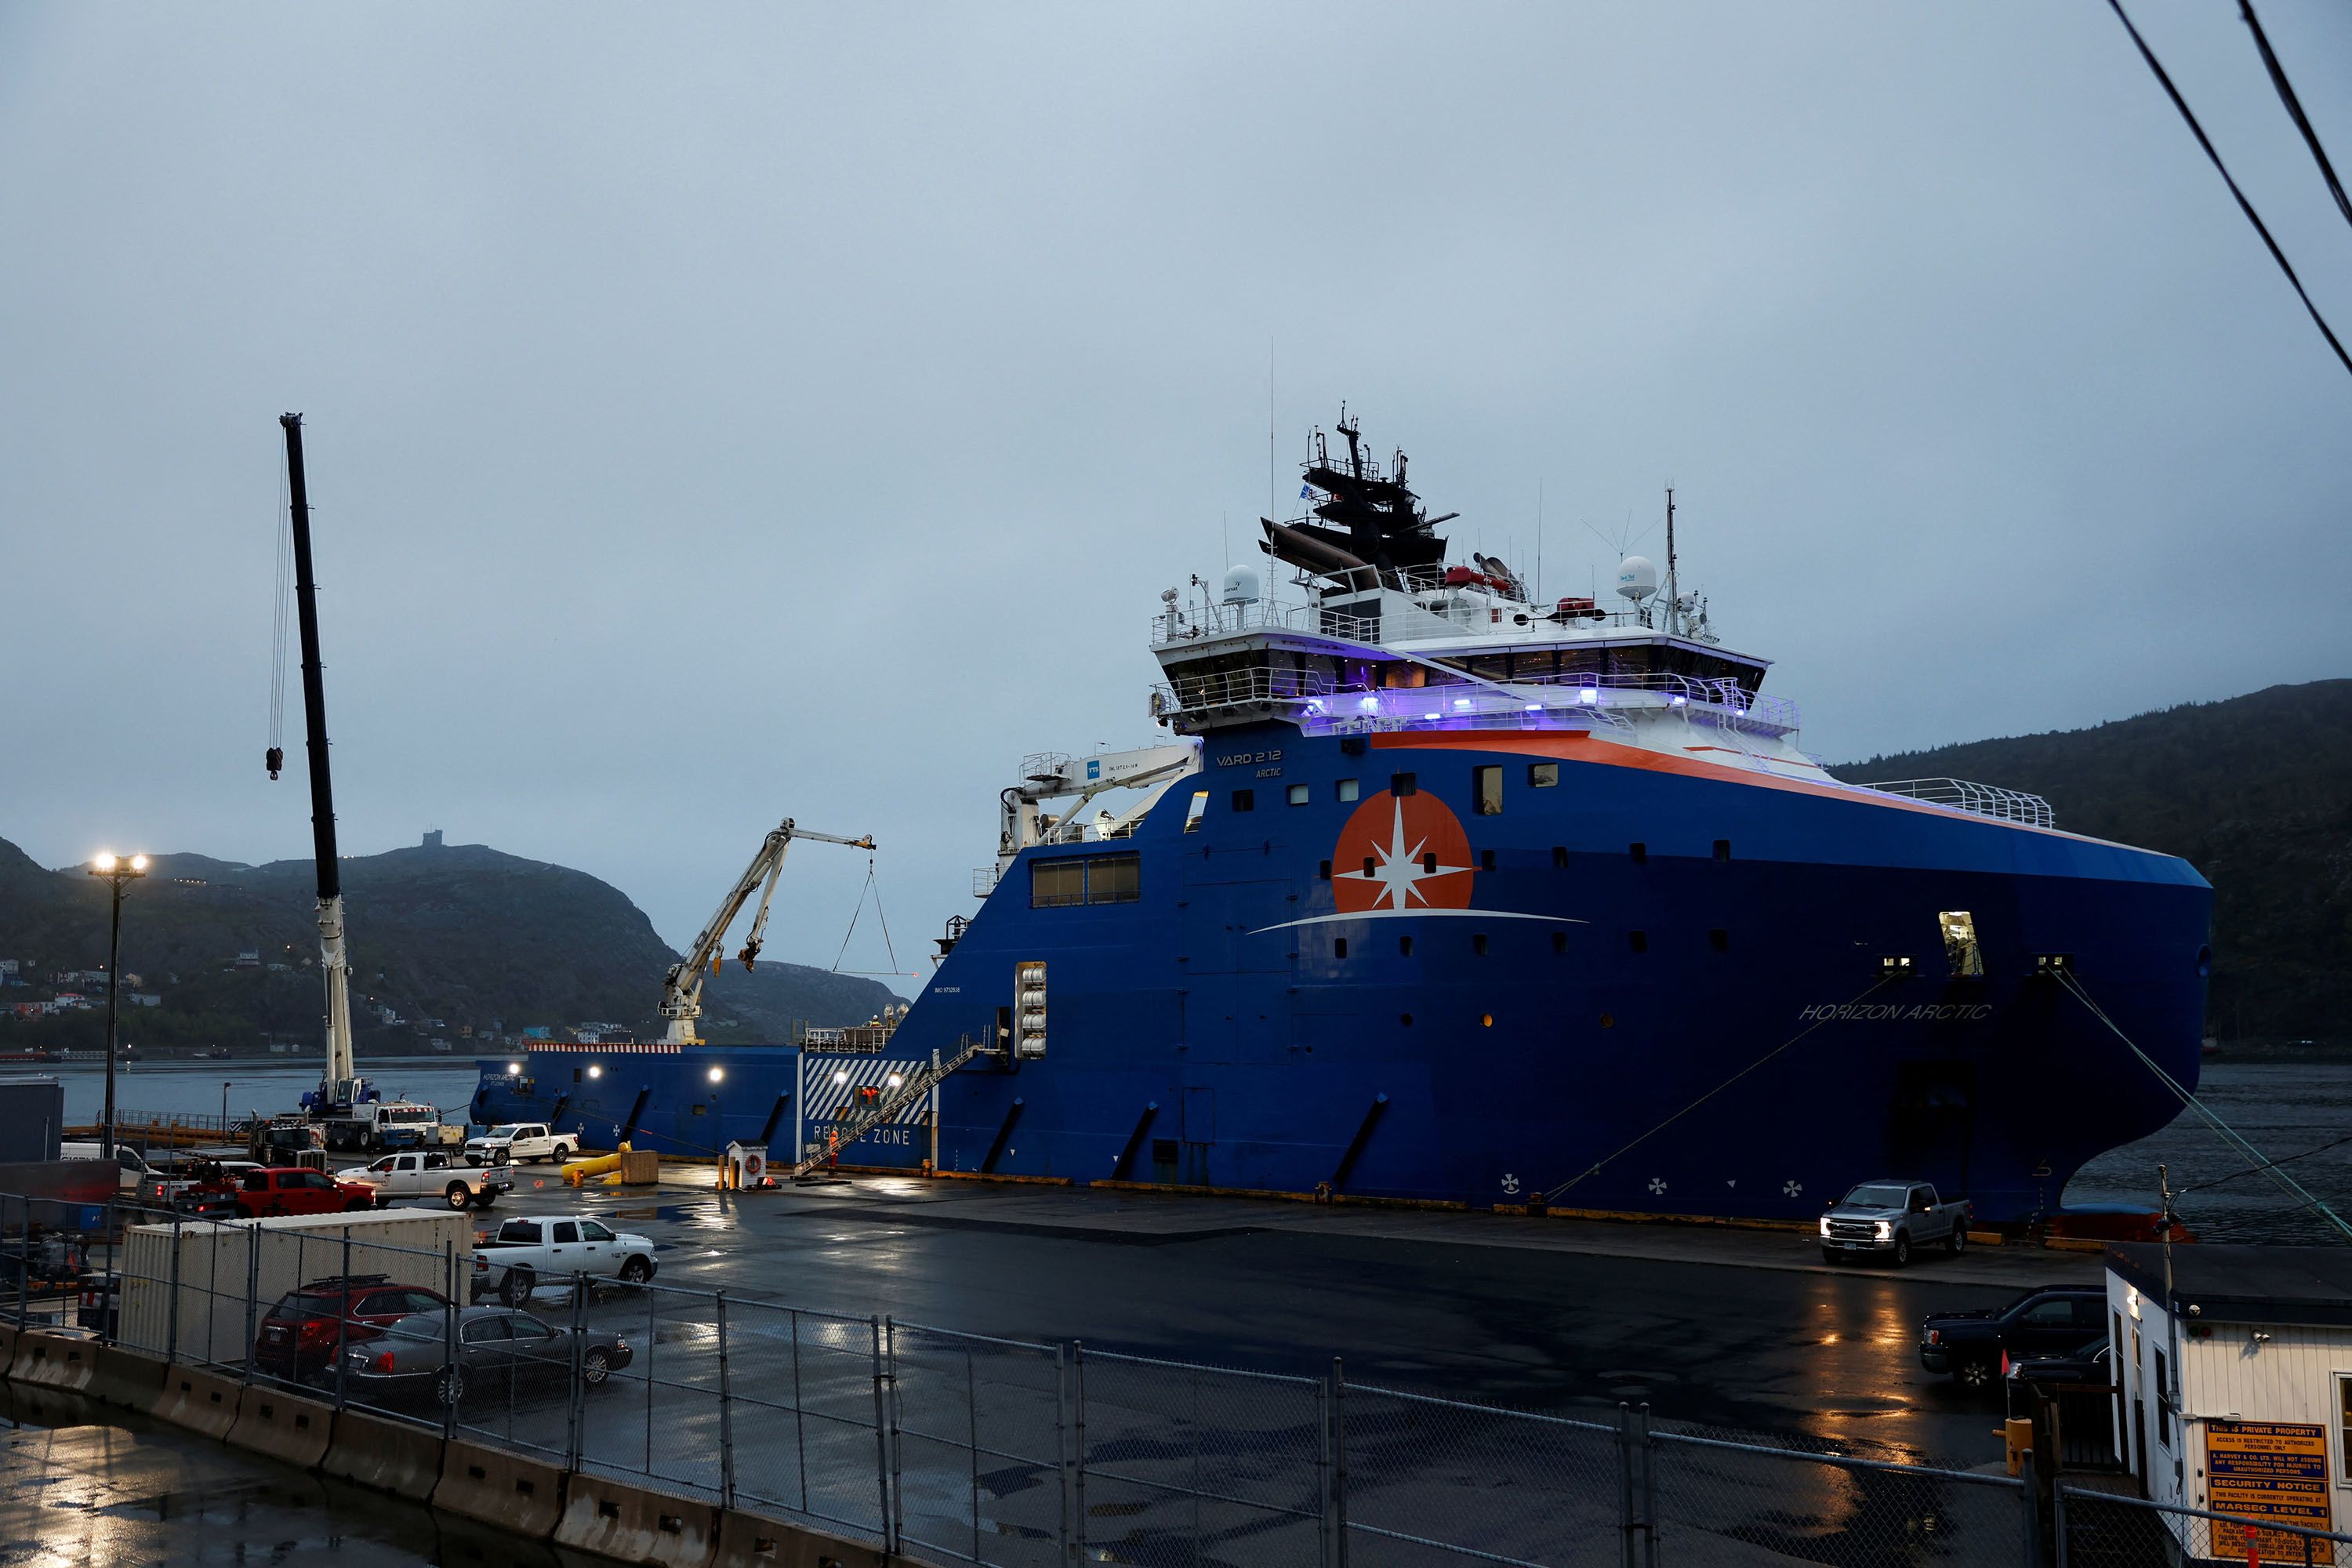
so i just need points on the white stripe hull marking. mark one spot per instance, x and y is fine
(1419, 914)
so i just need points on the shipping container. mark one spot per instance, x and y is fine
(203, 1298)
(32, 1119)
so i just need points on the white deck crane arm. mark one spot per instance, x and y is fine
(682, 986)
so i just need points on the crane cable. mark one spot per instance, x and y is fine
(2243, 204)
(2229, 1135)
(1826, 1016)
(880, 918)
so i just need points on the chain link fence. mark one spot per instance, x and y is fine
(2102, 1530)
(962, 1447)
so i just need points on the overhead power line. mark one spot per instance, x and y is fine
(2294, 110)
(2243, 204)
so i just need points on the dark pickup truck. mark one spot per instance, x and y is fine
(2046, 1322)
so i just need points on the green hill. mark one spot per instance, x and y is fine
(2255, 792)
(464, 934)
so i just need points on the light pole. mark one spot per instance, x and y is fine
(117, 873)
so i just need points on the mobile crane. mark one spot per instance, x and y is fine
(682, 986)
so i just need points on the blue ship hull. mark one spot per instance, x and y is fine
(1706, 1024)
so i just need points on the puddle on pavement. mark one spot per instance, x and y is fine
(85, 1486)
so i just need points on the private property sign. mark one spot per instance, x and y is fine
(2271, 1470)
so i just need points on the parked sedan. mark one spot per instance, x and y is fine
(496, 1346)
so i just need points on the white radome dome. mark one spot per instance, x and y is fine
(1637, 577)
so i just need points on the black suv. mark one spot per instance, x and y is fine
(301, 1335)
(2048, 1321)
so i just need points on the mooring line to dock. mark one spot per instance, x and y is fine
(1823, 1016)
(2263, 1162)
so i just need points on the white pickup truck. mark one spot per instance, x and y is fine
(431, 1174)
(519, 1142)
(525, 1253)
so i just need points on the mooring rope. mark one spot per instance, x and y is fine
(1825, 1016)
(2229, 1135)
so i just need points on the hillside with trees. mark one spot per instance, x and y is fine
(465, 935)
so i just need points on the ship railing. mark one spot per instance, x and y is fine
(1206, 690)
(1995, 801)
(1322, 705)
(870, 1038)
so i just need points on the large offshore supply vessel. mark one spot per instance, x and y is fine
(1438, 893)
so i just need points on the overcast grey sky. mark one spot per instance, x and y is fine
(717, 412)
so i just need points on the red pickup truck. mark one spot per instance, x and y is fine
(288, 1189)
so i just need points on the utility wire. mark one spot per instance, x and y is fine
(1595, 1168)
(2267, 1164)
(2294, 110)
(2243, 204)
(2229, 1134)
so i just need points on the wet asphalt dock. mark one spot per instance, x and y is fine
(1714, 1327)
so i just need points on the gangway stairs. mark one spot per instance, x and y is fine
(839, 1135)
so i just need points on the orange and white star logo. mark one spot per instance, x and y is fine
(1400, 853)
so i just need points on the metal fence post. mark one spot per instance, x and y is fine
(882, 1442)
(575, 1408)
(1637, 1515)
(1062, 1441)
(252, 1285)
(1339, 1464)
(725, 1412)
(342, 1327)
(800, 1414)
(109, 1309)
(1078, 1446)
(2030, 1547)
(2058, 1521)
(972, 1441)
(24, 1260)
(449, 1370)
(172, 1312)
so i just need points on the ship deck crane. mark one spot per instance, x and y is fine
(682, 986)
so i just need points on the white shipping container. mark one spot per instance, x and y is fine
(220, 1265)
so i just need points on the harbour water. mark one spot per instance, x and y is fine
(2287, 1100)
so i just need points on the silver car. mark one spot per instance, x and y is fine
(497, 1347)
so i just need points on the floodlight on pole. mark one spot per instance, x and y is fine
(118, 873)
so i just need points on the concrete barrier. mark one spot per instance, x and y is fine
(754, 1540)
(199, 1401)
(389, 1456)
(523, 1496)
(127, 1378)
(273, 1422)
(53, 1361)
(613, 1518)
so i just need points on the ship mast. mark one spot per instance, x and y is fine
(1674, 600)
(337, 1085)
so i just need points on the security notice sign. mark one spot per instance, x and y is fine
(2271, 1471)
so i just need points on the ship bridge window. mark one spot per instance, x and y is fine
(1299, 794)
(1543, 775)
(1193, 812)
(1486, 791)
(1086, 880)
(1960, 949)
(1348, 790)
(1053, 883)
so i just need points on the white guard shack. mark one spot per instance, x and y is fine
(2237, 1383)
